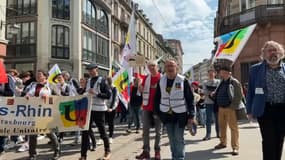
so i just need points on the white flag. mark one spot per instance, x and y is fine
(130, 45)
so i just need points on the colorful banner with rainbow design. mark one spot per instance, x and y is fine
(19, 116)
(53, 72)
(231, 44)
(121, 82)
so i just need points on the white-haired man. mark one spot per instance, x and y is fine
(149, 118)
(266, 99)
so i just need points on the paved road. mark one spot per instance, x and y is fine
(126, 146)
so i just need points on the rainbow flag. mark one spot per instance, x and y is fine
(55, 70)
(121, 82)
(74, 113)
(114, 69)
(231, 44)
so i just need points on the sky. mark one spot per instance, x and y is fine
(190, 21)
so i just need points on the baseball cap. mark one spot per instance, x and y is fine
(196, 83)
(91, 66)
(226, 68)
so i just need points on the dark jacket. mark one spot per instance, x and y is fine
(105, 89)
(8, 88)
(135, 99)
(255, 102)
(234, 92)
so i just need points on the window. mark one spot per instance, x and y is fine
(123, 36)
(251, 4)
(22, 44)
(247, 4)
(95, 48)
(60, 42)
(139, 27)
(122, 14)
(103, 22)
(61, 9)
(274, 1)
(103, 51)
(116, 53)
(21, 7)
(89, 46)
(139, 46)
(116, 9)
(89, 13)
(116, 32)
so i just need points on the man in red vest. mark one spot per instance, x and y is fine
(149, 119)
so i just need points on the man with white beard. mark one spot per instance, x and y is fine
(266, 99)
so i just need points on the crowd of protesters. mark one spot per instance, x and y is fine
(167, 101)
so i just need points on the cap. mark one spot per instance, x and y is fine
(152, 62)
(226, 68)
(196, 83)
(91, 66)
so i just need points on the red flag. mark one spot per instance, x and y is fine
(3, 75)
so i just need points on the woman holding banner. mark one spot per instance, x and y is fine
(41, 89)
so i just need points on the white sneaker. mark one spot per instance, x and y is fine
(20, 140)
(110, 140)
(24, 147)
(99, 142)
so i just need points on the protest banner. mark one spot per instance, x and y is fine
(21, 116)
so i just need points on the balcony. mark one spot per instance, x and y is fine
(124, 20)
(260, 14)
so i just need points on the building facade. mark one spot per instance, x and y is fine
(176, 46)
(149, 44)
(74, 33)
(121, 13)
(199, 71)
(162, 51)
(3, 41)
(146, 37)
(70, 33)
(269, 15)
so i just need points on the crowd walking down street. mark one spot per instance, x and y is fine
(94, 80)
(169, 109)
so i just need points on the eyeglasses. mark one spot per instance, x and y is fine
(271, 50)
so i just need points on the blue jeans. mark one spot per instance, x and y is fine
(202, 113)
(134, 116)
(2, 143)
(209, 116)
(176, 140)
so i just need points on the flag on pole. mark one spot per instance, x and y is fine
(121, 82)
(3, 75)
(123, 77)
(53, 72)
(114, 69)
(130, 43)
(231, 44)
(130, 46)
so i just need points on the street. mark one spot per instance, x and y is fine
(126, 146)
